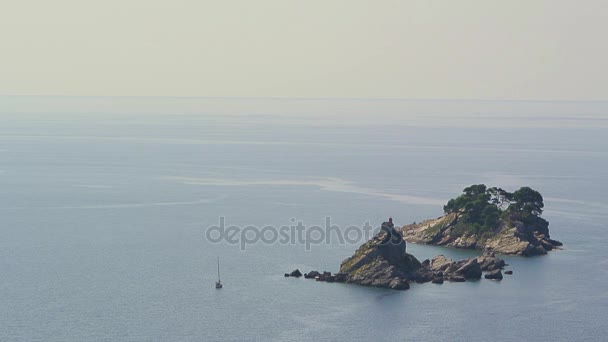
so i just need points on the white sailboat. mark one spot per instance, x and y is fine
(218, 283)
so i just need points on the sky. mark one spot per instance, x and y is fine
(408, 49)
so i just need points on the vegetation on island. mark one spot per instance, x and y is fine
(482, 209)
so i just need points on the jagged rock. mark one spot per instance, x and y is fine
(325, 276)
(340, 277)
(457, 279)
(507, 238)
(399, 284)
(383, 262)
(554, 243)
(440, 263)
(424, 276)
(496, 274)
(311, 275)
(295, 273)
(489, 262)
(470, 269)
(437, 281)
(531, 250)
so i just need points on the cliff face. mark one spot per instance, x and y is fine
(382, 262)
(507, 237)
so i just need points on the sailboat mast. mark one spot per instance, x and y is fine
(218, 268)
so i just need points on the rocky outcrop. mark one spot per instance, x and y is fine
(507, 238)
(489, 262)
(447, 269)
(496, 274)
(383, 262)
(295, 273)
(311, 275)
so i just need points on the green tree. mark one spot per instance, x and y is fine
(491, 215)
(528, 201)
(500, 197)
(475, 190)
(482, 208)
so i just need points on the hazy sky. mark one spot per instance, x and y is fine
(482, 49)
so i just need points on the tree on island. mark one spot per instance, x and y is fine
(482, 208)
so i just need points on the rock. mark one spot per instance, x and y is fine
(440, 263)
(340, 277)
(326, 276)
(532, 250)
(457, 279)
(470, 270)
(555, 243)
(286, 274)
(398, 284)
(311, 275)
(437, 281)
(423, 276)
(496, 274)
(509, 272)
(489, 262)
(508, 237)
(295, 273)
(384, 263)
(540, 249)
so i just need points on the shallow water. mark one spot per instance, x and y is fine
(105, 203)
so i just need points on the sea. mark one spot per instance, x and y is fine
(114, 212)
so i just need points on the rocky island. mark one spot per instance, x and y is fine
(489, 219)
(384, 262)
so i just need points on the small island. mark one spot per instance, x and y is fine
(489, 219)
(383, 262)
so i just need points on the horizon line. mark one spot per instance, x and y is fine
(307, 98)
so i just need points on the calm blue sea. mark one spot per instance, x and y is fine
(104, 205)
